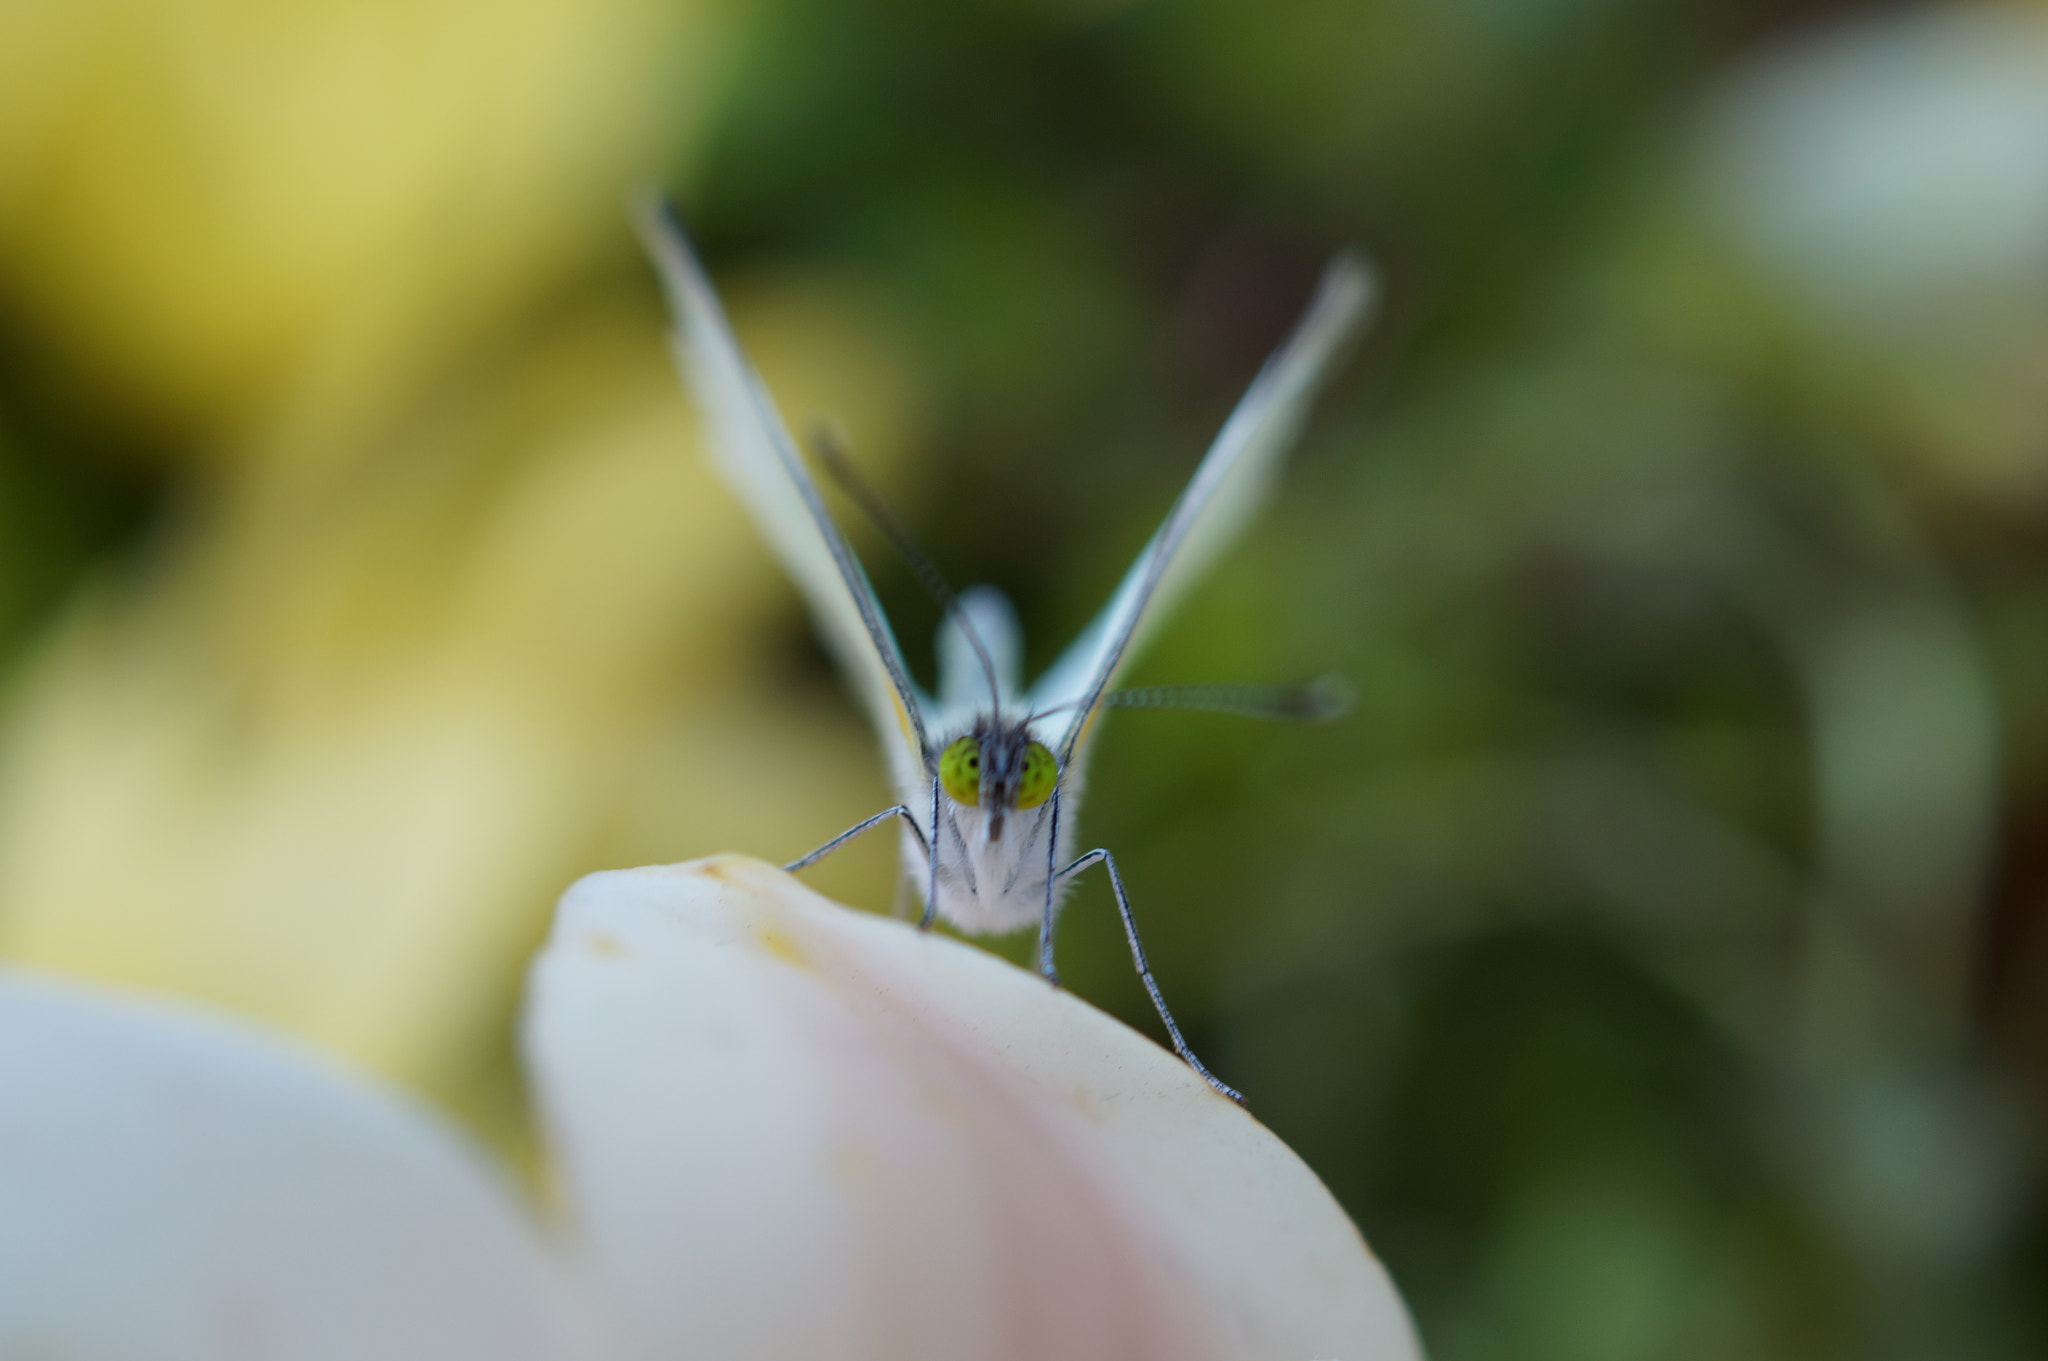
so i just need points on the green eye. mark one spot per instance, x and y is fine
(960, 771)
(1041, 773)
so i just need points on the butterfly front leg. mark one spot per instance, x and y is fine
(1052, 844)
(899, 811)
(1123, 907)
(931, 859)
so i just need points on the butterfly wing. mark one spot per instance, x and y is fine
(752, 449)
(1232, 482)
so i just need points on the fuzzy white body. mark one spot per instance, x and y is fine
(989, 885)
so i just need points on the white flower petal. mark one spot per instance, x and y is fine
(793, 1130)
(175, 1186)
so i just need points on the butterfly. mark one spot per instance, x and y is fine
(988, 771)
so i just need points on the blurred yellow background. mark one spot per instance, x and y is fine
(437, 607)
(1656, 963)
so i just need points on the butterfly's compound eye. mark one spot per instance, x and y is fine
(960, 771)
(1040, 774)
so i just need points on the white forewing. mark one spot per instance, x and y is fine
(752, 449)
(1231, 483)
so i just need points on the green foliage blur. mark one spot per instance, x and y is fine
(1655, 961)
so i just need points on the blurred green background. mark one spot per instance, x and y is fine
(1655, 962)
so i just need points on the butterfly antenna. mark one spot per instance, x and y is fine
(833, 454)
(1315, 701)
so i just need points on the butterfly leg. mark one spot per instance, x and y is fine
(1052, 843)
(931, 858)
(1123, 907)
(899, 811)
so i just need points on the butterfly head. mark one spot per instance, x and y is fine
(998, 767)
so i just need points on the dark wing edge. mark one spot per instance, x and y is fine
(1232, 482)
(753, 451)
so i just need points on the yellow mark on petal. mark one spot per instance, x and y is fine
(780, 945)
(601, 944)
(715, 868)
(850, 1166)
(942, 1103)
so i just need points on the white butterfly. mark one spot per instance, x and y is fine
(988, 771)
